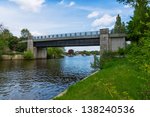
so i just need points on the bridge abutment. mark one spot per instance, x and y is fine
(39, 53)
(111, 42)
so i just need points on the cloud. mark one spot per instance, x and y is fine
(93, 14)
(105, 21)
(127, 6)
(36, 33)
(31, 5)
(71, 4)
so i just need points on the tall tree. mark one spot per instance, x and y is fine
(25, 33)
(137, 25)
(119, 26)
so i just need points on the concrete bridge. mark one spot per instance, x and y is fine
(108, 42)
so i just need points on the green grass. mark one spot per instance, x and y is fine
(118, 79)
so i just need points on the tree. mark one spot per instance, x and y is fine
(55, 52)
(137, 26)
(119, 26)
(132, 2)
(71, 52)
(12, 43)
(2, 46)
(1, 28)
(6, 34)
(25, 33)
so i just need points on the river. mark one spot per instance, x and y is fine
(41, 79)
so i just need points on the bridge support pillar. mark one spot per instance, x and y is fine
(30, 44)
(40, 53)
(104, 40)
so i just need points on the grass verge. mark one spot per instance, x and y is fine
(118, 80)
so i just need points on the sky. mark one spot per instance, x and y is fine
(45, 17)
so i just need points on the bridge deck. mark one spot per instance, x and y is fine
(79, 35)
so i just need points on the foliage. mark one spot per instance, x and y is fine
(25, 33)
(21, 47)
(96, 63)
(28, 55)
(2, 46)
(71, 52)
(122, 52)
(137, 25)
(55, 52)
(140, 53)
(119, 26)
(12, 43)
(132, 2)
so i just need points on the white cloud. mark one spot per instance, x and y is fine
(31, 5)
(105, 21)
(36, 33)
(127, 6)
(93, 14)
(71, 4)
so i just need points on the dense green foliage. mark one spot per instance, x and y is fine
(118, 80)
(55, 52)
(10, 44)
(28, 55)
(138, 23)
(140, 52)
(2, 46)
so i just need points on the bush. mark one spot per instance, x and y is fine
(21, 47)
(28, 55)
(121, 51)
(55, 53)
(96, 63)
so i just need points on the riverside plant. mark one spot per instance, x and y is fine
(28, 55)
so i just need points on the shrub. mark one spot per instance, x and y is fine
(55, 52)
(96, 63)
(21, 47)
(121, 51)
(28, 55)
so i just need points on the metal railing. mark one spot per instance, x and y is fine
(68, 35)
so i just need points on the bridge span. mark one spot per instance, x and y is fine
(102, 38)
(68, 39)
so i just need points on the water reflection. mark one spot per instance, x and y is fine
(41, 79)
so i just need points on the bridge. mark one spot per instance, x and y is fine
(102, 38)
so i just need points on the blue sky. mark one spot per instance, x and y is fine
(43, 17)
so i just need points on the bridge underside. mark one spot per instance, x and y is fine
(68, 42)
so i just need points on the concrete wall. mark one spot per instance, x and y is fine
(111, 42)
(12, 57)
(117, 43)
(104, 40)
(40, 53)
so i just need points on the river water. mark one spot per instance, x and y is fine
(41, 79)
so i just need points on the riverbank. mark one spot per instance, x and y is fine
(119, 79)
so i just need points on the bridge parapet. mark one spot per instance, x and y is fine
(68, 35)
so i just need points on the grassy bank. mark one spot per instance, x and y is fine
(118, 80)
